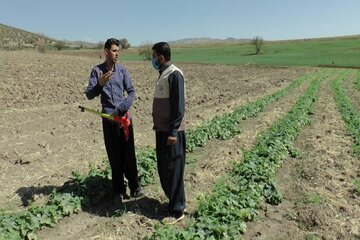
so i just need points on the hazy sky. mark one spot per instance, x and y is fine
(165, 20)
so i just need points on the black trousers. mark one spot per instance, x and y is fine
(122, 158)
(171, 164)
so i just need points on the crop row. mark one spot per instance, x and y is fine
(86, 190)
(222, 214)
(357, 81)
(350, 116)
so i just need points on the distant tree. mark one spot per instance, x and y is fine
(59, 45)
(145, 51)
(257, 41)
(124, 43)
(100, 45)
(41, 48)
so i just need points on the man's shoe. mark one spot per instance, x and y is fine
(172, 219)
(120, 198)
(137, 194)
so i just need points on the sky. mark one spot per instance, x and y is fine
(144, 21)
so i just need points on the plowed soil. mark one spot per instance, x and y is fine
(44, 137)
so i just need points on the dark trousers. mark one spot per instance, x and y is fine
(122, 158)
(171, 164)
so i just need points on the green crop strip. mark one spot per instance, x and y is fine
(350, 116)
(234, 200)
(225, 127)
(86, 190)
(357, 81)
(220, 127)
(23, 225)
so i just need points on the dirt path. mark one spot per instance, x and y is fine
(319, 201)
(140, 217)
(44, 137)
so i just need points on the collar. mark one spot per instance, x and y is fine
(106, 67)
(164, 67)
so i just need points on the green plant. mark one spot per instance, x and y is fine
(313, 198)
(23, 225)
(59, 45)
(357, 81)
(257, 42)
(41, 48)
(145, 51)
(357, 186)
(124, 43)
(350, 116)
(225, 127)
(146, 166)
(311, 236)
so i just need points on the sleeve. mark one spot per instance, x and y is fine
(93, 89)
(130, 90)
(177, 101)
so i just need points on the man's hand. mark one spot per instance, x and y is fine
(171, 140)
(104, 78)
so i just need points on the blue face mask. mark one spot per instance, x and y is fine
(156, 65)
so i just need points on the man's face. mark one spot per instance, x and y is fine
(158, 58)
(112, 53)
(154, 54)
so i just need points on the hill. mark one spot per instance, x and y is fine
(14, 38)
(206, 40)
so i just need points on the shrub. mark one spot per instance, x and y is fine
(257, 41)
(145, 51)
(41, 48)
(59, 45)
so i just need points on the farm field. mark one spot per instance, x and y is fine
(308, 52)
(283, 153)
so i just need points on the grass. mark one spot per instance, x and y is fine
(311, 237)
(313, 198)
(357, 81)
(336, 51)
(357, 186)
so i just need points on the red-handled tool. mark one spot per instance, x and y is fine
(123, 121)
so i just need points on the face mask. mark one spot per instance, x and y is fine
(156, 65)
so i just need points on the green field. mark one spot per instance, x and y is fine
(337, 51)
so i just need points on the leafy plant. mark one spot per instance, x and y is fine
(311, 237)
(357, 186)
(312, 198)
(357, 82)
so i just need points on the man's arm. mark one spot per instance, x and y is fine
(177, 101)
(129, 88)
(93, 89)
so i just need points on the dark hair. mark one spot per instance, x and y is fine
(163, 48)
(110, 42)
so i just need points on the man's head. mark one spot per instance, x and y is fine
(111, 49)
(161, 54)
